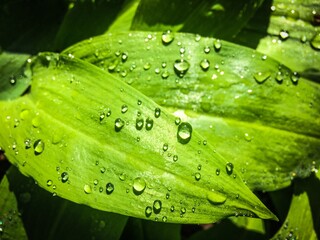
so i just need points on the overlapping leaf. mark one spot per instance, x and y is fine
(251, 108)
(88, 137)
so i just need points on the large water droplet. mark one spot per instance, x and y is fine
(139, 123)
(157, 112)
(181, 67)
(149, 124)
(184, 133)
(157, 205)
(229, 168)
(260, 77)
(205, 64)
(38, 146)
(216, 198)
(167, 37)
(109, 188)
(139, 185)
(64, 177)
(148, 211)
(118, 124)
(315, 42)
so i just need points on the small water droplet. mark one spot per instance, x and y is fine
(49, 183)
(96, 182)
(248, 137)
(38, 146)
(27, 143)
(197, 176)
(148, 211)
(217, 45)
(124, 57)
(218, 171)
(197, 38)
(229, 168)
(157, 205)
(167, 37)
(172, 208)
(177, 121)
(206, 49)
(284, 35)
(167, 195)
(315, 42)
(12, 80)
(36, 122)
(147, 66)
(205, 64)
(165, 147)
(181, 67)
(139, 102)
(102, 116)
(184, 133)
(122, 176)
(149, 124)
(165, 75)
(139, 123)
(108, 114)
(64, 177)
(183, 210)
(164, 219)
(124, 108)
(102, 170)
(260, 77)
(139, 185)
(157, 112)
(199, 167)
(175, 158)
(87, 189)
(216, 198)
(109, 188)
(118, 124)
(279, 77)
(295, 77)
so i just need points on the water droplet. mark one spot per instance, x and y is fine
(205, 64)
(113, 65)
(199, 167)
(181, 67)
(27, 143)
(139, 123)
(217, 45)
(229, 168)
(182, 50)
(216, 198)
(87, 189)
(124, 108)
(197, 176)
(148, 211)
(122, 176)
(197, 38)
(295, 77)
(165, 75)
(218, 171)
(184, 133)
(175, 158)
(167, 37)
(157, 205)
(165, 147)
(38, 146)
(260, 77)
(109, 188)
(157, 112)
(124, 57)
(102, 116)
(139, 102)
(167, 195)
(177, 121)
(139, 185)
(35, 122)
(12, 80)
(118, 124)
(64, 177)
(49, 183)
(284, 35)
(147, 66)
(248, 137)
(102, 170)
(206, 49)
(149, 124)
(279, 77)
(164, 219)
(183, 210)
(157, 70)
(96, 182)
(108, 114)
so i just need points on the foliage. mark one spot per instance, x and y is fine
(137, 119)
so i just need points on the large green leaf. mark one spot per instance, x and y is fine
(90, 138)
(221, 19)
(251, 108)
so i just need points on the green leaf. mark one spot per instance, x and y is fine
(238, 98)
(81, 131)
(11, 226)
(303, 219)
(46, 216)
(14, 78)
(222, 19)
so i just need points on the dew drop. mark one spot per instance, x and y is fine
(197, 176)
(87, 189)
(217, 45)
(124, 108)
(279, 77)
(108, 114)
(248, 137)
(157, 112)
(206, 49)
(96, 182)
(148, 211)
(315, 42)
(216, 198)
(139, 185)
(284, 35)
(38, 146)
(102, 116)
(157, 205)
(260, 77)
(139, 123)
(165, 147)
(102, 170)
(118, 124)
(109, 188)
(177, 121)
(64, 177)
(167, 37)
(124, 57)
(49, 183)
(197, 38)
(139, 102)
(199, 167)
(205, 64)
(181, 67)
(184, 133)
(183, 210)
(165, 75)
(175, 158)
(164, 219)
(295, 77)
(167, 195)
(149, 124)
(27, 143)
(12, 80)
(229, 168)
(218, 171)
(147, 66)
(122, 176)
